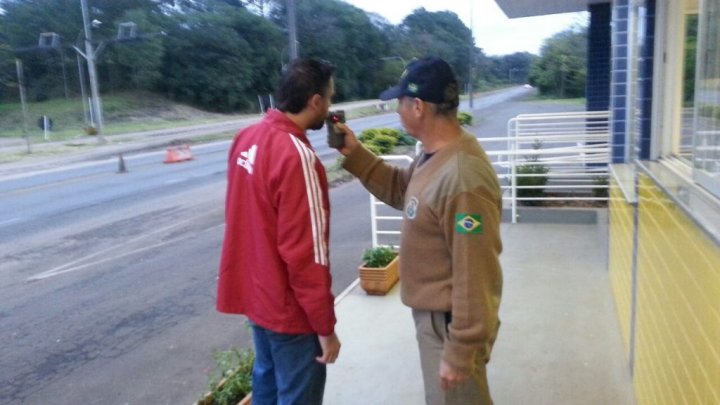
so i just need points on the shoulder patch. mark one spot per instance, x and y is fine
(468, 223)
(411, 208)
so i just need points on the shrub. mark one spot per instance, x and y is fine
(380, 140)
(374, 149)
(368, 134)
(600, 192)
(532, 174)
(464, 118)
(406, 139)
(386, 143)
(232, 379)
(380, 256)
(535, 178)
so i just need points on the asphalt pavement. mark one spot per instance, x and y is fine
(350, 202)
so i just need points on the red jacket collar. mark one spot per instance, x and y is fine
(280, 121)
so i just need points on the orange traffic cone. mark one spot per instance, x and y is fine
(178, 154)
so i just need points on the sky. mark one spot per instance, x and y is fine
(494, 32)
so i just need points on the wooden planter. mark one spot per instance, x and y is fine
(378, 281)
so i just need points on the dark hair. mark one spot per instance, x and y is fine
(302, 79)
(449, 106)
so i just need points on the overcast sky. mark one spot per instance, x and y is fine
(494, 32)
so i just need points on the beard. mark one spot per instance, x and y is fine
(315, 125)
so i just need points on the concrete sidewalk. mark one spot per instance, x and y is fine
(559, 342)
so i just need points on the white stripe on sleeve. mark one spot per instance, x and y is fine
(314, 193)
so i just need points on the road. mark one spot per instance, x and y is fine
(107, 280)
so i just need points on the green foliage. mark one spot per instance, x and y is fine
(439, 33)
(465, 118)
(344, 35)
(217, 60)
(385, 142)
(374, 148)
(562, 67)
(368, 134)
(232, 378)
(221, 54)
(709, 111)
(531, 174)
(513, 68)
(141, 61)
(380, 256)
(691, 31)
(600, 192)
(382, 141)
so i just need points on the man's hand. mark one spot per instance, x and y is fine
(330, 349)
(351, 141)
(451, 377)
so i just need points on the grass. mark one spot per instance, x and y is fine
(555, 100)
(123, 113)
(126, 113)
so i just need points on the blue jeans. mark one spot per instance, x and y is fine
(285, 370)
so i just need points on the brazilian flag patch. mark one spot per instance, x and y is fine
(468, 223)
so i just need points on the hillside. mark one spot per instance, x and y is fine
(123, 112)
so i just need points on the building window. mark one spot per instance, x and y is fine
(685, 148)
(706, 128)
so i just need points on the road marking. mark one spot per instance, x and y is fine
(74, 265)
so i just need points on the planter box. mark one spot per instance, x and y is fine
(378, 281)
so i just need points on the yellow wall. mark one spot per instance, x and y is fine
(677, 353)
(620, 258)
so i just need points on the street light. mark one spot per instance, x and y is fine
(126, 31)
(51, 40)
(90, 55)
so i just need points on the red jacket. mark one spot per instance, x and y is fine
(275, 261)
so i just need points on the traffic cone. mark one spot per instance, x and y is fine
(171, 155)
(178, 154)
(121, 164)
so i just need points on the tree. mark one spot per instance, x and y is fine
(439, 34)
(140, 60)
(344, 35)
(513, 68)
(7, 78)
(562, 67)
(220, 60)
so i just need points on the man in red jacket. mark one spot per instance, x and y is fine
(275, 262)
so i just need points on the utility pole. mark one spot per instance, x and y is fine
(292, 30)
(92, 73)
(21, 86)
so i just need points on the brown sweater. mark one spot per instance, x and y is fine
(450, 243)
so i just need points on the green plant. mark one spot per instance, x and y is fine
(600, 181)
(232, 378)
(464, 118)
(374, 148)
(386, 143)
(531, 174)
(379, 256)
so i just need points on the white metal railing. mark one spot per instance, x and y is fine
(569, 152)
(574, 148)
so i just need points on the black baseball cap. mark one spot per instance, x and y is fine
(430, 79)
